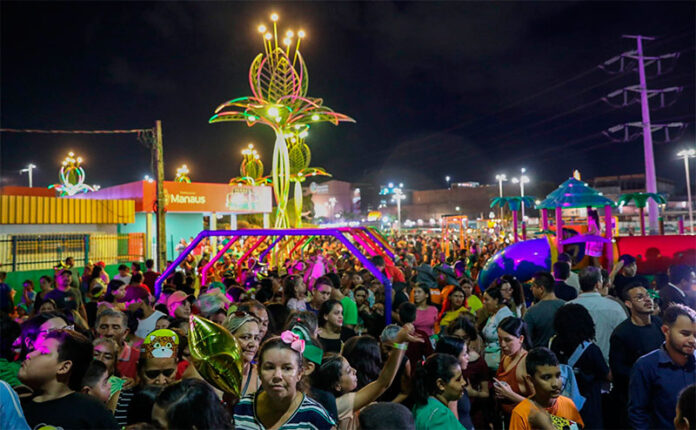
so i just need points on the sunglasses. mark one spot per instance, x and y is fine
(152, 374)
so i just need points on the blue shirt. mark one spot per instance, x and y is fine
(654, 387)
(11, 414)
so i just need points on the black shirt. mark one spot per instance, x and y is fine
(627, 344)
(74, 411)
(564, 291)
(590, 372)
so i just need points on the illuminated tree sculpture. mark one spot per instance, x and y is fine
(72, 177)
(251, 170)
(182, 174)
(278, 79)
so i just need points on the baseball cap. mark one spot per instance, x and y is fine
(627, 259)
(175, 297)
(136, 292)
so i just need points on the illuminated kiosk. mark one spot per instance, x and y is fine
(351, 238)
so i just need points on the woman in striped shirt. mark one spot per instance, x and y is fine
(280, 405)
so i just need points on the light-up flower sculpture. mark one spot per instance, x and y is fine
(251, 170)
(278, 79)
(182, 174)
(72, 177)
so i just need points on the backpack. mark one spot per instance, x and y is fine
(570, 384)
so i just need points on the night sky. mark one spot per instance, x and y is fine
(466, 89)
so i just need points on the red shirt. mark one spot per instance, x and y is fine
(127, 364)
(394, 274)
(149, 279)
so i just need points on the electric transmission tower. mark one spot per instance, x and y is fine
(637, 60)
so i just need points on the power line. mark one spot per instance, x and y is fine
(503, 109)
(27, 130)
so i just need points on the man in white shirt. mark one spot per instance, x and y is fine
(123, 274)
(137, 300)
(606, 313)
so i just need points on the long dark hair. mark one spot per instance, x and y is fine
(573, 325)
(140, 407)
(96, 272)
(517, 290)
(437, 366)
(516, 327)
(449, 299)
(328, 374)
(191, 404)
(326, 309)
(112, 286)
(450, 345)
(363, 353)
(461, 323)
(494, 292)
(290, 287)
(426, 290)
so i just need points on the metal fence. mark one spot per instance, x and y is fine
(21, 252)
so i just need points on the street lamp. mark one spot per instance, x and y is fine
(447, 178)
(398, 196)
(686, 154)
(30, 170)
(501, 178)
(523, 179)
(331, 203)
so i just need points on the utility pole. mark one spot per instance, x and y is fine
(645, 125)
(159, 167)
(650, 178)
(686, 154)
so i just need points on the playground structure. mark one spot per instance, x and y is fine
(362, 242)
(522, 259)
(450, 223)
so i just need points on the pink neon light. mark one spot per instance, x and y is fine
(204, 275)
(246, 255)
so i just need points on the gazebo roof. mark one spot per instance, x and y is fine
(575, 193)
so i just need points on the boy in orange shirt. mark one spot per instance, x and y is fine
(546, 409)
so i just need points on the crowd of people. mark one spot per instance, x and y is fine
(568, 349)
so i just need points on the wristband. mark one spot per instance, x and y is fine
(401, 346)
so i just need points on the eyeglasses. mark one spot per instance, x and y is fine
(152, 374)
